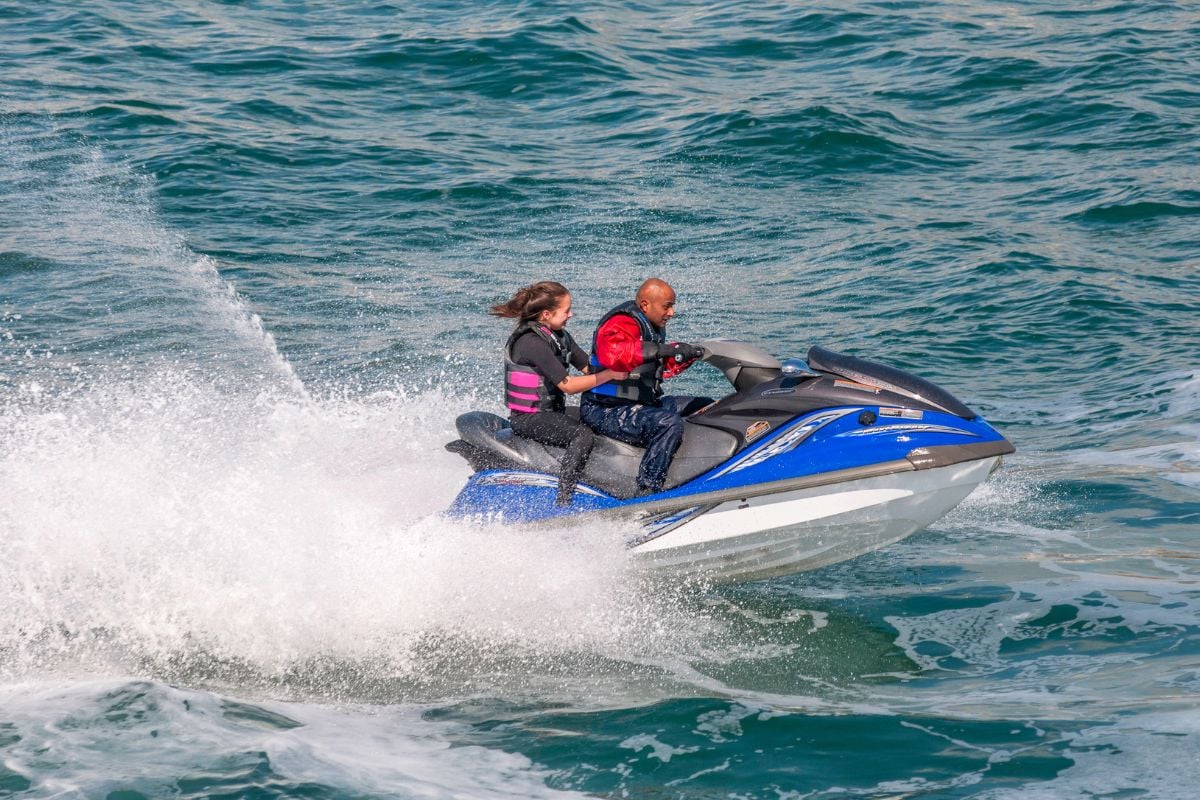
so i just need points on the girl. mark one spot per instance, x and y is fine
(537, 361)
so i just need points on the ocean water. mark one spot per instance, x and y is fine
(246, 250)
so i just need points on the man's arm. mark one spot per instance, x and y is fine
(619, 344)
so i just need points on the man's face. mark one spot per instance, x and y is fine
(659, 307)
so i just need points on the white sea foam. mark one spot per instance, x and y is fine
(1060, 635)
(161, 525)
(87, 739)
(1185, 401)
(1099, 602)
(1175, 455)
(659, 750)
(1150, 755)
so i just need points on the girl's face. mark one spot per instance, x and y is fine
(556, 319)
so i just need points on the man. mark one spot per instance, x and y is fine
(632, 338)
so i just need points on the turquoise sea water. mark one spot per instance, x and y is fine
(245, 254)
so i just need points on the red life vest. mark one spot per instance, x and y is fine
(644, 384)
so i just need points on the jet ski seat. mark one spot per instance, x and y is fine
(489, 443)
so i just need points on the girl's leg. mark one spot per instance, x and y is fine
(559, 430)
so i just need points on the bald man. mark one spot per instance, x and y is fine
(632, 338)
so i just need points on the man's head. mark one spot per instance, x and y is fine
(656, 299)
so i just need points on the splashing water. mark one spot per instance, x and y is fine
(209, 521)
(108, 237)
(164, 526)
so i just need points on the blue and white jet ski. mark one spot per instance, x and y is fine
(801, 466)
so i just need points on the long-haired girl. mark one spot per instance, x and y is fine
(537, 379)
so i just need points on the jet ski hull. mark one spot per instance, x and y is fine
(806, 529)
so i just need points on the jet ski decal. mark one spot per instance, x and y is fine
(903, 413)
(654, 527)
(757, 429)
(514, 478)
(789, 440)
(883, 430)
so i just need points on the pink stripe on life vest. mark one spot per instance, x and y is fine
(526, 379)
(523, 396)
(529, 409)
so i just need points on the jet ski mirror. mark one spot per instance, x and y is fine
(796, 368)
(744, 364)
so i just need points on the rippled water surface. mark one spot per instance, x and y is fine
(246, 250)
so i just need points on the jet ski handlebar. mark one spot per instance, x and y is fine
(744, 364)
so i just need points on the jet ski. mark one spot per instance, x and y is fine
(803, 464)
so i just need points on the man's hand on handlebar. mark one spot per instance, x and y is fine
(680, 352)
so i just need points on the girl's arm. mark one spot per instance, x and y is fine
(574, 384)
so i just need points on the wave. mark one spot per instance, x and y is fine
(1135, 212)
(535, 60)
(816, 141)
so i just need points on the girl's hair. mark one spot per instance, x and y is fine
(530, 301)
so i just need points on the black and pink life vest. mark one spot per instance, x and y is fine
(526, 389)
